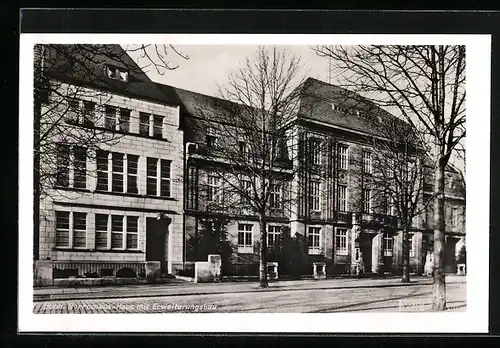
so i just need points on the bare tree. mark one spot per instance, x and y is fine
(426, 85)
(254, 141)
(70, 84)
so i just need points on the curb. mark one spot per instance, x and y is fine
(40, 298)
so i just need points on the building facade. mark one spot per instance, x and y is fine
(145, 195)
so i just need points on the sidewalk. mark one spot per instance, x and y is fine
(181, 288)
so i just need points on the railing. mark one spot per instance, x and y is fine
(344, 217)
(379, 219)
(110, 268)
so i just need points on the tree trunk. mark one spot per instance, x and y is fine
(439, 286)
(406, 257)
(263, 246)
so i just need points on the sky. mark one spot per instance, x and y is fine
(210, 65)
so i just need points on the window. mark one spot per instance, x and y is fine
(315, 150)
(341, 241)
(245, 242)
(275, 195)
(343, 157)
(273, 236)
(79, 230)
(110, 118)
(71, 229)
(243, 149)
(102, 170)
(62, 164)
(367, 162)
(132, 179)
(124, 120)
(118, 172)
(116, 73)
(116, 232)
(367, 201)
(143, 124)
(246, 187)
(410, 245)
(157, 126)
(121, 230)
(132, 231)
(158, 177)
(165, 178)
(391, 206)
(62, 229)
(313, 240)
(73, 112)
(388, 244)
(454, 216)
(152, 176)
(211, 138)
(71, 166)
(357, 254)
(314, 196)
(79, 167)
(342, 198)
(89, 113)
(213, 194)
(101, 231)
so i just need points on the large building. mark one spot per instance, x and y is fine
(145, 194)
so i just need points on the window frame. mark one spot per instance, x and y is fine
(367, 202)
(213, 190)
(315, 196)
(316, 233)
(367, 162)
(342, 201)
(273, 235)
(315, 150)
(68, 168)
(115, 73)
(388, 252)
(343, 157)
(341, 241)
(70, 230)
(245, 247)
(275, 195)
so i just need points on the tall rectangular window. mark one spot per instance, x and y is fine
(79, 167)
(89, 113)
(62, 229)
(314, 240)
(275, 193)
(143, 124)
(79, 230)
(157, 126)
(116, 232)
(118, 172)
(343, 156)
(110, 118)
(211, 137)
(132, 232)
(245, 240)
(315, 150)
(341, 241)
(410, 245)
(243, 149)
(314, 195)
(246, 189)
(152, 176)
(273, 236)
(101, 231)
(165, 167)
(62, 160)
(102, 170)
(367, 162)
(367, 201)
(454, 216)
(132, 179)
(342, 198)
(388, 245)
(124, 120)
(213, 189)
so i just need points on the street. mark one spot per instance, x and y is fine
(306, 296)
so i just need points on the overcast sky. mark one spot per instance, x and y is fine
(209, 65)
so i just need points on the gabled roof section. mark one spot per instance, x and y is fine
(337, 106)
(86, 65)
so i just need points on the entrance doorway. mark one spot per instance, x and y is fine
(365, 246)
(156, 241)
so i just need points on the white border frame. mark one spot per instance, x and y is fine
(474, 320)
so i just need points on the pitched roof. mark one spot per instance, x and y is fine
(85, 65)
(327, 103)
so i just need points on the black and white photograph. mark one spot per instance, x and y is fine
(186, 176)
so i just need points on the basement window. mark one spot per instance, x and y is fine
(117, 73)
